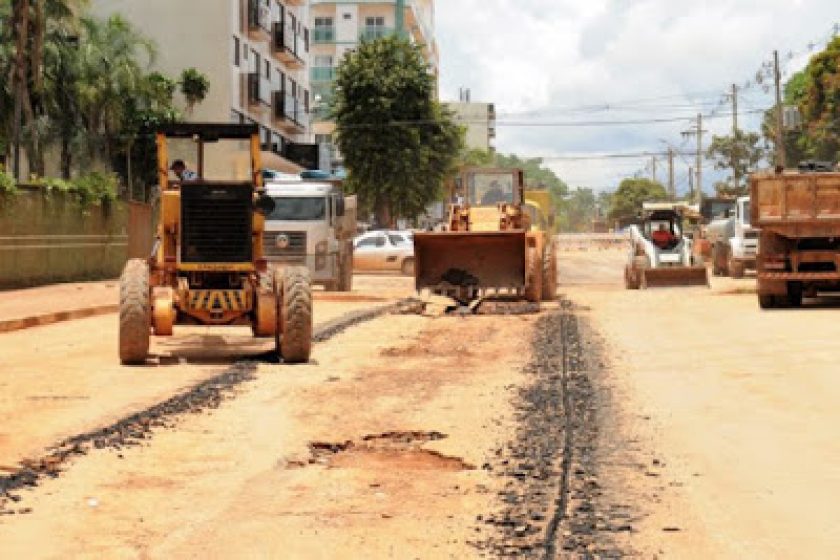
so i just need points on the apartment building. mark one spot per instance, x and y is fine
(478, 120)
(255, 54)
(337, 27)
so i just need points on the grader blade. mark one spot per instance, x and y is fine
(675, 277)
(466, 265)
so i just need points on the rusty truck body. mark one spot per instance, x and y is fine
(798, 213)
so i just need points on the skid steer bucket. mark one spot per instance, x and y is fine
(466, 265)
(673, 277)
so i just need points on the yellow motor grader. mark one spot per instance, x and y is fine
(491, 246)
(208, 265)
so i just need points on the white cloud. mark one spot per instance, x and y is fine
(549, 61)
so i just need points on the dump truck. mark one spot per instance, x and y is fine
(208, 266)
(733, 241)
(798, 214)
(660, 253)
(313, 224)
(489, 246)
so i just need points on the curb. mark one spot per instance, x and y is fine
(56, 317)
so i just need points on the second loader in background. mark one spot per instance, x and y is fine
(491, 246)
(660, 253)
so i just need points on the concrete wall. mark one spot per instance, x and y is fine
(51, 238)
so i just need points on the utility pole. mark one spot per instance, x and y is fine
(672, 191)
(697, 130)
(780, 134)
(699, 157)
(653, 167)
(690, 184)
(736, 176)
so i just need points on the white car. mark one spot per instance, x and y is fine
(384, 250)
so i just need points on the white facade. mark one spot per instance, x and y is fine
(255, 54)
(479, 120)
(337, 27)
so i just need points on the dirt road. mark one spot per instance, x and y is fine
(721, 422)
(678, 423)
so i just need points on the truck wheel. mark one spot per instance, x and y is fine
(767, 301)
(135, 313)
(294, 317)
(794, 294)
(549, 287)
(630, 278)
(345, 282)
(533, 275)
(736, 269)
(407, 267)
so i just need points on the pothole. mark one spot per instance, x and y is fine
(400, 450)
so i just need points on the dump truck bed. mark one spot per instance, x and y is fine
(796, 205)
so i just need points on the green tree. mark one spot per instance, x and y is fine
(626, 202)
(578, 210)
(740, 152)
(399, 144)
(816, 92)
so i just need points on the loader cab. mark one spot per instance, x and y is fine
(491, 187)
(664, 228)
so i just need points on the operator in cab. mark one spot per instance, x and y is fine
(662, 237)
(179, 168)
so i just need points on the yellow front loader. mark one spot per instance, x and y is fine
(489, 247)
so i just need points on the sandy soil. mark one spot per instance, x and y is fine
(373, 451)
(720, 430)
(62, 379)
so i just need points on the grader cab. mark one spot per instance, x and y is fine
(208, 266)
(491, 246)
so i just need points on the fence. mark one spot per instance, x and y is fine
(47, 238)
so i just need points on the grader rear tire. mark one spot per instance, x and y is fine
(294, 329)
(533, 275)
(135, 313)
(549, 286)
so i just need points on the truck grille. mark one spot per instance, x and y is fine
(216, 223)
(296, 246)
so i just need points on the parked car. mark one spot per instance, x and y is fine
(384, 250)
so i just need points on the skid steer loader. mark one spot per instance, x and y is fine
(208, 266)
(660, 253)
(490, 246)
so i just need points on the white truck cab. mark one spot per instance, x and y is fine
(734, 241)
(312, 224)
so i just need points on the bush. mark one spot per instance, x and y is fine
(8, 186)
(91, 189)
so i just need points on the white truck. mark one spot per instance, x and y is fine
(733, 242)
(312, 224)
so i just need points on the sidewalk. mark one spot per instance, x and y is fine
(44, 305)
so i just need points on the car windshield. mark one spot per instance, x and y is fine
(300, 209)
(398, 239)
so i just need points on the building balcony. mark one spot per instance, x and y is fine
(256, 20)
(289, 113)
(371, 33)
(288, 47)
(251, 92)
(322, 74)
(323, 34)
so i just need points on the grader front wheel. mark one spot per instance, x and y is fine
(294, 317)
(533, 275)
(135, 313)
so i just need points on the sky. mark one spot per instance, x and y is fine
(550, 66)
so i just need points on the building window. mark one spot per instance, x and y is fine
(348, 16)
(374, 28)
(236, 51)
(267, 70)
(323, 30)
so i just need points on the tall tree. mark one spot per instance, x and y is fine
(740, 152)
(815, 91)
(626, 203)
(399, 144)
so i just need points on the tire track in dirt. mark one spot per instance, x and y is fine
(138, 427)
(549, 507)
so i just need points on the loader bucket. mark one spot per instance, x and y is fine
(466, 264)
(673, 277)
